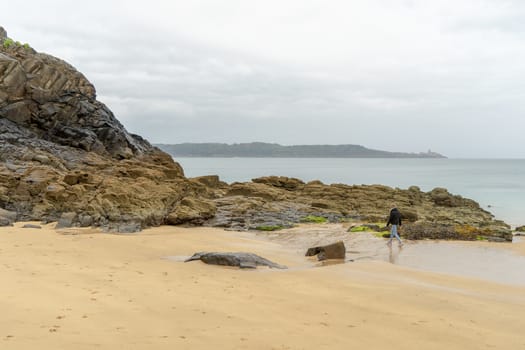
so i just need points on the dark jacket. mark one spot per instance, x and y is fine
(394, 218)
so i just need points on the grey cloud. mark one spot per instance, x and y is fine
(170, 88)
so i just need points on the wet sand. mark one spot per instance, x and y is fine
(497, 262)
(82, 289)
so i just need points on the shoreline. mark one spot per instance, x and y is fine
(86, 289)
(471, 259)
(424, 173)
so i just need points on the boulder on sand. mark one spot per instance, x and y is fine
(243, 260)
(331, 251)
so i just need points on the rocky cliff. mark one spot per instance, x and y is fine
(65, 157)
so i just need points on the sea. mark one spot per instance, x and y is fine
(498, 185)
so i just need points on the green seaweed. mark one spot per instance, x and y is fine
(269, 228)
(360, 229)
(314, 219)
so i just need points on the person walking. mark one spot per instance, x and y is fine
(395, 220)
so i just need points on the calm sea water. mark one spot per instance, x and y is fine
(498, 185)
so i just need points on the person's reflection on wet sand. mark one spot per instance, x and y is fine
(392, 257)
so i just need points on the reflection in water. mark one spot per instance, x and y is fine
(473, 259)
(393, 255)
(456, 258)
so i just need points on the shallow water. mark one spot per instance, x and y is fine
(482, 260)
(456, 258)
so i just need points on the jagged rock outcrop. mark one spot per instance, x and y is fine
(465, 232)
(276, 202)
(64, 156)
(47, 98)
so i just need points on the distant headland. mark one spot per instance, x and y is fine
(269, 150)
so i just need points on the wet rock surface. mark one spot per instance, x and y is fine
(241, 259)
(270, 203)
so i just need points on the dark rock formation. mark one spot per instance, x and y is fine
(7, 217)
(4, 222)
(242, 260)
(331, 251)
(64, 156)
(277, 201)
(432, 230)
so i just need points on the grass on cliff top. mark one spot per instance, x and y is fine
(8, 42)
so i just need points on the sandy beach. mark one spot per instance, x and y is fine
(83, 289)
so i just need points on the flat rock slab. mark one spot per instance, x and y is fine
(240, 259)
(31, 226)
(331, 251)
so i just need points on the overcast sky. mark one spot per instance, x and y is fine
(396, 75)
